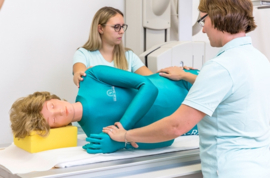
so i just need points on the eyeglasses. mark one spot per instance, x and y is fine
(117, 27)
(202, 20)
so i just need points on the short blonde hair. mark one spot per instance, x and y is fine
(25, 115)
(95, 43)
(231, 16)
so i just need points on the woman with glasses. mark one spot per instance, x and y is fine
(104, 46)
(229, 99)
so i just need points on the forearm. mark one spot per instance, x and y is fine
(189, 77)
(157, 132)
(139, 106)
(78, 67)
(144, 71)
(180, 122)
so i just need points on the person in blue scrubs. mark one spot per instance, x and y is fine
(229, 99)
(104, 46)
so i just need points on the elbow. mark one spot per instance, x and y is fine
(176, 132)
(149, 87)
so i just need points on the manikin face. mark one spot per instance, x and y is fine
(108, 34)
(212, 33)
(57, 113)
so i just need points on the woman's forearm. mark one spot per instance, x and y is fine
(144, 71)
(189, 77)
(180, 122)
(79, 67)
(157, 132)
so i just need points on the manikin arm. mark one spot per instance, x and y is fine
(143, 100)
(138, 107)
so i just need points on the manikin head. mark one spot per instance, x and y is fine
(226, 16)
(39, 112)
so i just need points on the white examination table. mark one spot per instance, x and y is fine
(184, 164)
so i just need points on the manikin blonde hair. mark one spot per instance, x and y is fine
(25, 115)
(95, 43)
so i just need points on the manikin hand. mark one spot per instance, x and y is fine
(78, 77)
(102, 143)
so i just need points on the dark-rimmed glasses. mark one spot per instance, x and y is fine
(202, 20)
(118, 27)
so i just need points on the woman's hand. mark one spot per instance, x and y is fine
(173, 73)
(188, 68)
(78, 77)
(118, 133)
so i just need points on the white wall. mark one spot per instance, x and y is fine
(195, 12)
(260, 36)
(37, 41)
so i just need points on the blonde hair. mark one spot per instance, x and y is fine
(95, 43)
(231, 16)
(25, 115)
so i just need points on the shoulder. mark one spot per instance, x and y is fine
(85, 51)
(82, 50)
(131, 56)
(213, 69)
(129, 52)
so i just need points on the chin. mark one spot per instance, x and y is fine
(118, 42)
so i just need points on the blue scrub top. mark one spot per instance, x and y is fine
(94, 58)
(233, 91)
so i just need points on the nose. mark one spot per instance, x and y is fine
(203, 29)
(121, 30)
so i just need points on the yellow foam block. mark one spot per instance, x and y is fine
(57, 138)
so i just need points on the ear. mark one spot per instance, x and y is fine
(100, 29)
